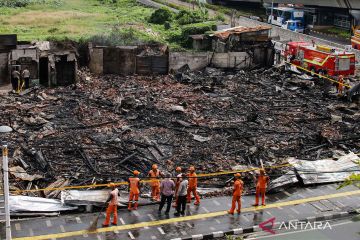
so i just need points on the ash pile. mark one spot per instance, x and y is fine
(105, 126)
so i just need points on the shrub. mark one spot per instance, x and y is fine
(198, 28)
(24, 3)
(188, 17)
(160, 16)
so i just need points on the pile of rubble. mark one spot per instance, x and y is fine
(104, 127)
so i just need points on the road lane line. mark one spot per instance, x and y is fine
(131, 235)
(17, 227)
(188, 218)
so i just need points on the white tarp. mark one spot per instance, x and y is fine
(286, 180)
(94, 197)
(36, 204)
(326, 170)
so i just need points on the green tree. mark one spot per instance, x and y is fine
(353, 179)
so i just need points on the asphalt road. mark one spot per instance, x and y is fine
(208, 218)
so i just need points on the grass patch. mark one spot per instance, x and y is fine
(73, 19)
(119, 22)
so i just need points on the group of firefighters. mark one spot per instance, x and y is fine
(20, 80)
(181, 190)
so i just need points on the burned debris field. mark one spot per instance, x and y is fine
(105, 126)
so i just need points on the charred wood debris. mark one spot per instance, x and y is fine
(104, 127)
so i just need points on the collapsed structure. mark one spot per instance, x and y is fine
(104, 127)
(50, 64)
(101, 127)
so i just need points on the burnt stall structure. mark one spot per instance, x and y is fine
(7, 43)
(48, 66)
(128, 60)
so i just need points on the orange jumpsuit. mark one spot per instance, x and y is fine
(112, 208)
(261, 189)
(238, 188)
(177, 184)
(192, 188)
(134, 192)
(155, 185)
(340, 85)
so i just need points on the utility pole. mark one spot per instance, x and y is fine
(271, 15)
(5, 162)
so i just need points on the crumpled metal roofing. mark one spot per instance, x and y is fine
(224, 34)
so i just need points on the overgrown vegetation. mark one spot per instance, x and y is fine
(176, 28)
(23, 3)
(110, 22)
(128, 36)
(160, 16)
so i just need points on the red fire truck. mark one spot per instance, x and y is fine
(320, 59)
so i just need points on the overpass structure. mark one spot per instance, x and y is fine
(347, 4)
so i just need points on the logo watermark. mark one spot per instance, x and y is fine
(268, 225)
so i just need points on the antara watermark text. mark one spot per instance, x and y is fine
(268, 225)
(303, 225)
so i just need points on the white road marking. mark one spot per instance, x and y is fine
(161, 230)
(151, 217)
(216, 203)
(269, 213)
(246, 219)
(340, 203)
(62, 229)
(136, 213)
(122, 221)
(17, 227)
(153, 237)
(131, 235)
(212, 228)
(218, 221)
(287, 193)
(48, 223)
(78, 220)
(294, 210)
(205, 209)
(309, 190)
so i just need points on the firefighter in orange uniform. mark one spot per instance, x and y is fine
(192, 186)
(340, 85)
(177, 183)
(237, 191)
(261, 186)
(154, 175)
(134, 190)
(112, 207)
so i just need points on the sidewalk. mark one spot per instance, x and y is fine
(208, 219)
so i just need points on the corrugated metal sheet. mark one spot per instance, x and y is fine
(120, 60)
(152, 64)
(258, 31)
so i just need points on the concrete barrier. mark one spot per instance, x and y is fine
(199, 60)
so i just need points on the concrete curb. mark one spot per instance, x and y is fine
(327, 34)
(237, 231)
